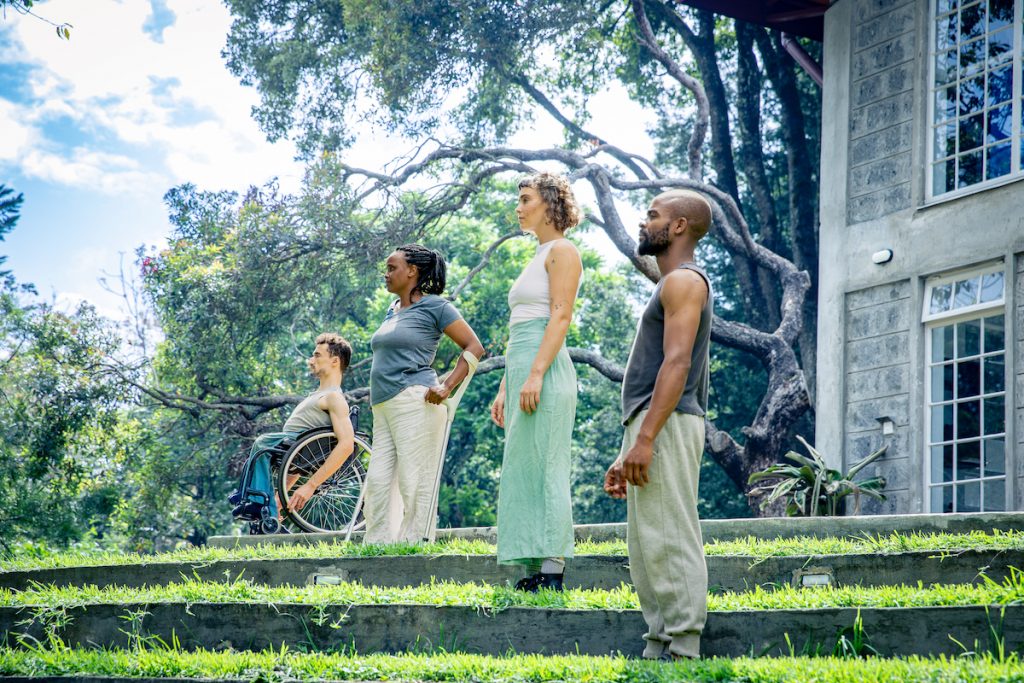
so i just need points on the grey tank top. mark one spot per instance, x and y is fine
(307, 415)
(647, 355)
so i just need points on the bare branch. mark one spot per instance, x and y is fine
(484, 260)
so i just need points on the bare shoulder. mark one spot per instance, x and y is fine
(563, 250)
(334, 401)
(684, 286)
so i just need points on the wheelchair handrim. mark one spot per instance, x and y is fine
(337, 501)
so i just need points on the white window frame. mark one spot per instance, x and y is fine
(1017, 108)
(951, 317)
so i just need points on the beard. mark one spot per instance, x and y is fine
(653, 244)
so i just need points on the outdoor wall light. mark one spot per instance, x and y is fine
(888, 427)
(882, 256)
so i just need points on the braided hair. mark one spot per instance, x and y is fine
(431, 267)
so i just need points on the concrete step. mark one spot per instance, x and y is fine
(730, 573)
(401, 628)
(720, 529)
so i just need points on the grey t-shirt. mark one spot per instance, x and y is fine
(405, 344)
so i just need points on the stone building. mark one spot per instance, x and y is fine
(921, 301)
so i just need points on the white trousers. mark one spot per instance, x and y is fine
(399, 504)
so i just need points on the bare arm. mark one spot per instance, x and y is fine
(462, 334)
(564, 270)
(682, 296)
(336, 407)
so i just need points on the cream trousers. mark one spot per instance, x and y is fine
(666, 551)
(399, 504)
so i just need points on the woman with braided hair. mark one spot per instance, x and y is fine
(534, 503)
(406, 396)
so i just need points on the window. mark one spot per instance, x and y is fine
(976, 108)
(966, 391)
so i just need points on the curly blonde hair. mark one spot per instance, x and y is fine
(556, 192)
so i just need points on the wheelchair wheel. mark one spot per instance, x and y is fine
(336, 503)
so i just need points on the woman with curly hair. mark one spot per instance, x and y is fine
(406, 396)
(534, 504)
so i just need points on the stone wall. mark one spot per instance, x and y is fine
(1018, 383)
(881, 108)
(878, 384)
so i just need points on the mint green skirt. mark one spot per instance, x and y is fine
(534, 502)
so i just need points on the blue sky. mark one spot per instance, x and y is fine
(95, 130)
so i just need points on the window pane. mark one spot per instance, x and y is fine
(942, 463)
(995, 415)
(945, 32)
(945, 104)
(995, 375)
(995, 458)
(968, 378)
(968, 419)
(945, 67)
(942, 383)
(992, 290)
(966, 294)
(968, 460)
(968, 497)
(972, 57)
(972, 21)
(969, 172)
(943, 6)
(998, 161)
(1000, 46)
(1000, 85)
(1000, 125)
(994, 334)
(972, 97)
(1000, 13)
(942, 423)
(941, 297)
(968, 338)
(944, 176)
(995, 495)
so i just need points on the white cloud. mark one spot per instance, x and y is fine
(17, 137)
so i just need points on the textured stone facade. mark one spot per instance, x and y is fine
(878, 384)
(881, 108)
(1018, 384)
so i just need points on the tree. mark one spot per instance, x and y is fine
(10, 212)
(25, 7)
(481, 63)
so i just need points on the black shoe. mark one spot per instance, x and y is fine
(533, 583)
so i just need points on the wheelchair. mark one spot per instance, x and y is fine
(336, 505)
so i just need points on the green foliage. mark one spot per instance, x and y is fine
(811, 488)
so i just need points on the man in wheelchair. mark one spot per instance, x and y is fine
(255, 499)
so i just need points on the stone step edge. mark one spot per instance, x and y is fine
(726, 572)
(928, 631)
(717, 529)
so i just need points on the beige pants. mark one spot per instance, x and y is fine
(666, 552)
(400, 484)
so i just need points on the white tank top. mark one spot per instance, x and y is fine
(530, 296)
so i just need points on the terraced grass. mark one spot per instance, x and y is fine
(38, 558)
(278, 665)
(1009, 592)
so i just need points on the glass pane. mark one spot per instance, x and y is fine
(1022, 139)
(995, 458)
(995, 374)
(972, 57)
(966, 294)
(945, 32)
(968, 497)
(1000, 46)
(942, 463)
(972, 21)
(968, 378)
(968, 338)
(968, 460)
(968, 419)
(945, 67)
(944, 176)
(998, 161)
(995, 415)
(945, 103)
(1000, 13)
(1000, 125)
(969, 172)
(972, 97)
(942, 423)
(992, 290)
(942, 295)
(995, 495)
(994, 333)
(1000, 86)
(943, 6)
(942, 383)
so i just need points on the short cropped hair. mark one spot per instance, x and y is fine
(555, 191)
(338, 347)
